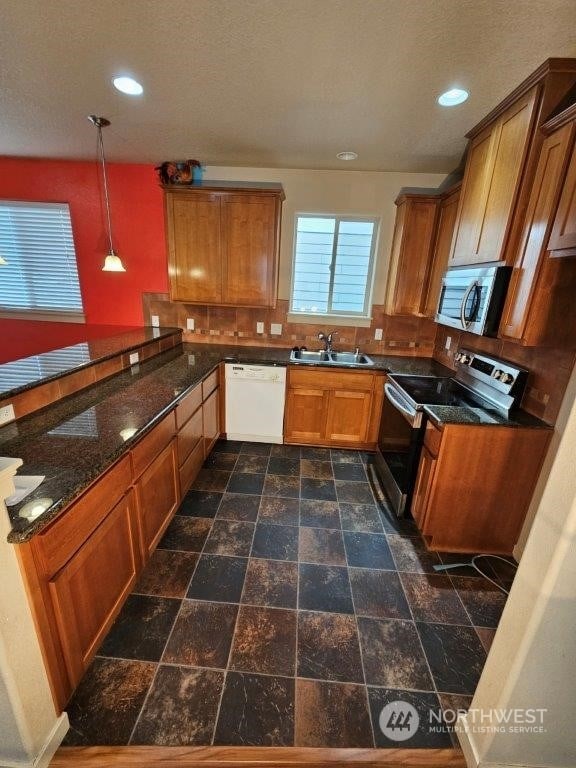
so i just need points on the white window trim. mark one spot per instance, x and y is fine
(347, 320)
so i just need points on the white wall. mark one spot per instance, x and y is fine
(363, 193)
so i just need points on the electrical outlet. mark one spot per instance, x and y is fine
(276, 329)
(155, 320)
(189, 323)
(134, 358)
(448, 342)
(259, 327)
(378, 334)
(7, 414)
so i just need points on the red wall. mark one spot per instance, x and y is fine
(137, 219)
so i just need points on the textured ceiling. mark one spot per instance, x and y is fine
(275, 83)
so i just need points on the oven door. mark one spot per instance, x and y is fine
(399, 445)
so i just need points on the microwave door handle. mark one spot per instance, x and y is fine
(463, 320)
(398, 401)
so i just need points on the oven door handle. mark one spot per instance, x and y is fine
(398, 401)
(465, 322)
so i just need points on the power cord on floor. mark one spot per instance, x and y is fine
(472, 564)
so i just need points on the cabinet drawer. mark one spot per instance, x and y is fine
(321, 378)
(189, 436)
(432, 438)
(209, 384)
(190, 468)
(151, 445)
(54, 546)
(186, 407)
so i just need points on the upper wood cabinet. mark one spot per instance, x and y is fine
(562, 240)
(442, 244)
(223, 240)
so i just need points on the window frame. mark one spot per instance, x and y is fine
(343, 318)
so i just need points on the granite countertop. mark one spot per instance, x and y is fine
(455, 414)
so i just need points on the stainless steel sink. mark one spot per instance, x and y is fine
(330, 358)
(310, 357)
(350, 358)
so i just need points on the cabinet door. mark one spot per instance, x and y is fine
(424, 480)
(305, 415)
(194, 247)
(563, 236)
(158, 496)
(491, 183)
(189, 436)
(348, 417)
(211, 419)
(442, 246)
(88, 592)
(249, 235)
(526, 298)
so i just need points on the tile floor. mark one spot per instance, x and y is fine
(285, 607)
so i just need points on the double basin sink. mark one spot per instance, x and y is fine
(330, 358)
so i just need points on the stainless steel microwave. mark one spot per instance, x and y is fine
(472, 298)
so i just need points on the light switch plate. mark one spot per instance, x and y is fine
(378, 334)
(189, 323)
(155, 320)
(134, 358)
(7, 414)
(276, 329)
(259, 327)
(448, 343)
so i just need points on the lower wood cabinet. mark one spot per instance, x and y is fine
(158, 494)
(211, 420)
(340, 408)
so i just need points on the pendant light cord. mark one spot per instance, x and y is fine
(106, 198)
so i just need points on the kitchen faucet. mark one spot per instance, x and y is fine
(327, 340)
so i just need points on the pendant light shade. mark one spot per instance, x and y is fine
(112, 262)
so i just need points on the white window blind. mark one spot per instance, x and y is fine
(41, 275)
(333, 265)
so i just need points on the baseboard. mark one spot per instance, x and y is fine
(55, 737)
(466, 745)
(277, 439)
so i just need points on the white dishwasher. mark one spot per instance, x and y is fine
(255, 397)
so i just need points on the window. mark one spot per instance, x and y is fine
(333, 265)
(40, 276)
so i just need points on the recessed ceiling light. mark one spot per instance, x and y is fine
(128, 85)
(452, 97)
(347, 155)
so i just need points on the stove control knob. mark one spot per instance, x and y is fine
(497, 374)
(457, 357)
(465, 359)
(506, 378)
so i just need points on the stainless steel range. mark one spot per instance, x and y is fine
(480, 381)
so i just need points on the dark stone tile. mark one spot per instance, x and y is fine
(167, 573)
(282, 485)
(200, 503)
(275, 542)
(227, 446)
(331, 714)
(402, 526)
(428, 735)
(256, 710)
(501, 569)
(141, 629)
(279, 511)
(107, 702)
(486, 635)
(319, 514)
(320, 470)
(244, 482)
(360, 517)
(322, 490)
(346, 470)
(186, 534)
(218, 578)
(393, 655)
(453, 558)
(285, 451)
(264, 641)
(271, 582)
(378, 594)
(230, 537)
(257, 449)
(321, 545)
(324, 588)
(239, 506)
(342, 456)
(218, 460)
(281, 466)
(202, 635)
(368, 550)
(315, 454)
(328, 647)
(181, 709)
(433, 598)
(455, 655)
(453, 704)
(411, 555)
(251, 463)
(483, 601)
(354, 493)
(211, 480)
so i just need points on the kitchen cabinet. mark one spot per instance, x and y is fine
(469, 494)
(211, 420)
(446, 222)
(223, 241)
(540, 308)
(158, 494)
(562, 240)
(333, 408)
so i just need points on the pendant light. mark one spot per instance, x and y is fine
(3, 261)
(112, 262)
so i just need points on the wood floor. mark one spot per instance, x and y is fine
(260, 757)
